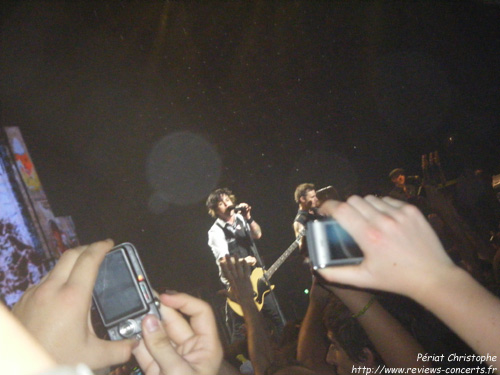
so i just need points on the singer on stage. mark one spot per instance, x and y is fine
(234, 233)
(402, 190)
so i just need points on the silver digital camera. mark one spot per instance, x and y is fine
(330, 245)
(122, 293)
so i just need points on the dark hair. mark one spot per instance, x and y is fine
(302, 190)
(347, 331)
(215, 197)
(396, 173)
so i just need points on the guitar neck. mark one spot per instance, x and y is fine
(269, 273)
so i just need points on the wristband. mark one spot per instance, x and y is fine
(364, 309)
(250, 221)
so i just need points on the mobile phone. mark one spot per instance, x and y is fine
(122, 293)
(330, 245)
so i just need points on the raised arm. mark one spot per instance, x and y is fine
(402, 254)
(312, 346)
(255, 229)
(259, 343)
(397, 347)
(297, 228)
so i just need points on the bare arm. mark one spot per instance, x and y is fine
(256, 231)
(254, 226)
(297, 228)
(467, 308)
(396, 346)
(20, 353)
(312, 346)
(259, 343)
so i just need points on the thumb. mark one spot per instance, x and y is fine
(158, 343)
(113, 352)
(347, 275)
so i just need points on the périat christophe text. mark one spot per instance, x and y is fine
(436, 359)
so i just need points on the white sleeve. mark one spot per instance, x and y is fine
(217, 242)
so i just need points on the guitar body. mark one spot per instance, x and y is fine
(260, 290)
(259, 284)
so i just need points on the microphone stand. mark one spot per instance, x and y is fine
(253, 247)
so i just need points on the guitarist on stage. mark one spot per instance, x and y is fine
(233, 233)
(305, 196)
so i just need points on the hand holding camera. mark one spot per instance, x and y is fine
(123, 294)
(402, 254)
(398, 244)
(57, 313)
(330, 245)
(57, 310)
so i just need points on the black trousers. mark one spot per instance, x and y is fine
(236, 323)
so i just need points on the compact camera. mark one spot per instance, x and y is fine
(330, 245)
(122, 293)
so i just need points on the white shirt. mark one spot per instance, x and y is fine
(218, 242)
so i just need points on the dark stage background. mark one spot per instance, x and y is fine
(134, 110)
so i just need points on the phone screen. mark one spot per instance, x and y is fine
(115, 290)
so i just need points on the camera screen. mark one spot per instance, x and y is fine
(340, 243)
(115, 290)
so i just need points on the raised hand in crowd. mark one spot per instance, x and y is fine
(57, 311)
(398, 244)
(389, 339)
(262, 353)
(237, 272)
(312, 347)
(395, 345)
(402, 254)
(176, 345)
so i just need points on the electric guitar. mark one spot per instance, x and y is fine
(258, 278)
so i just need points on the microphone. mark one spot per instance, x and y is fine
(239, 209)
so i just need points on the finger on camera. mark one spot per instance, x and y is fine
(158, 345)
(346, 275)
(201, 316)
(175, 324)
(86, 268)
(380, 204)
(396, 203)
(64, 266)
(366, 207)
